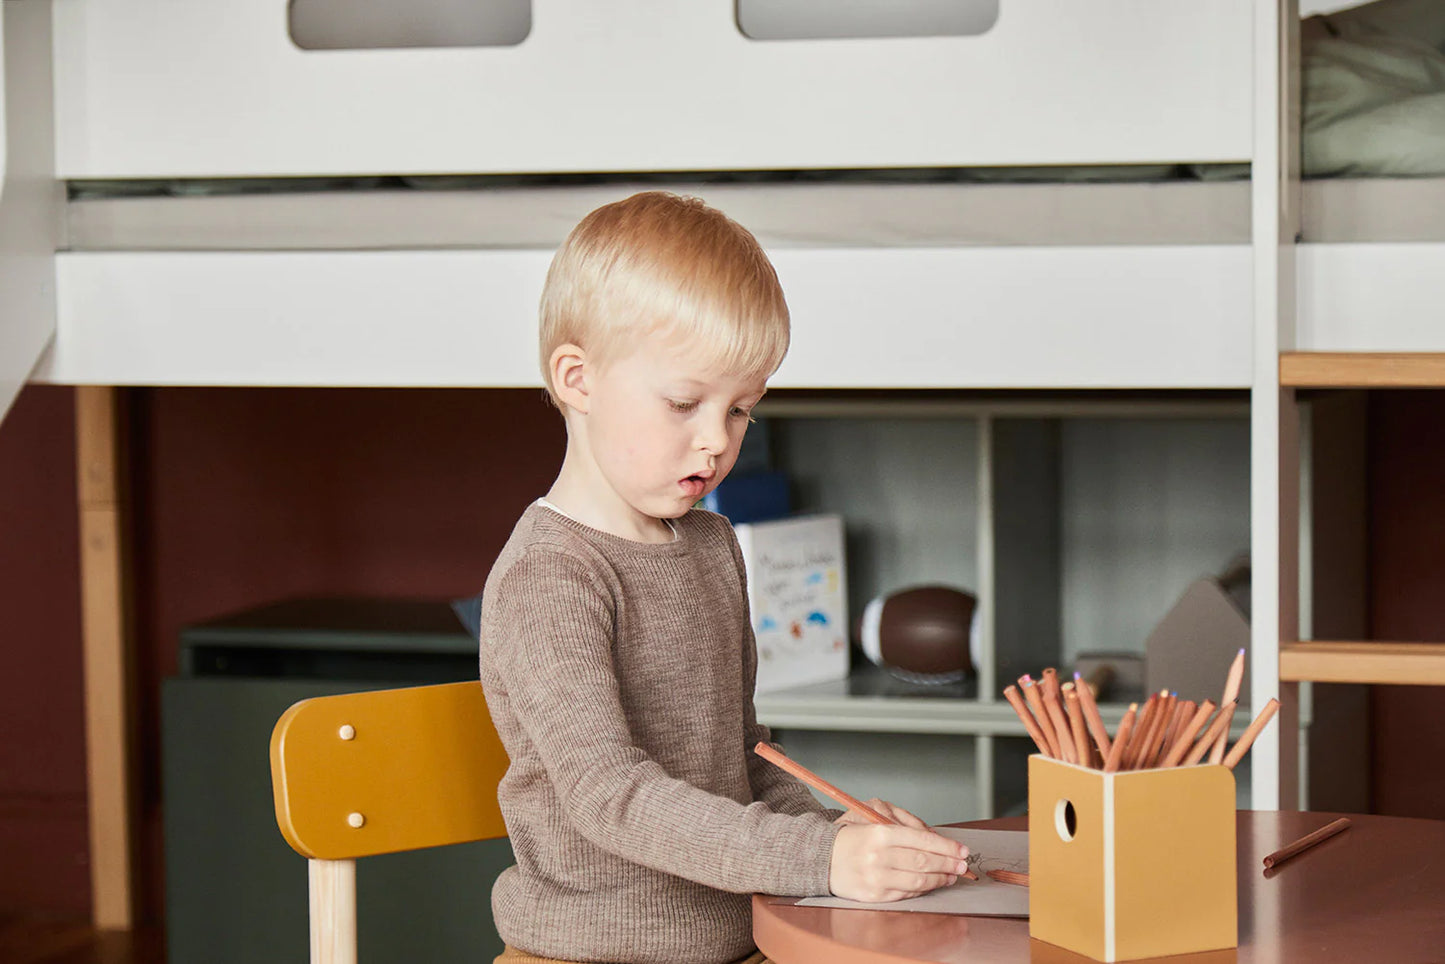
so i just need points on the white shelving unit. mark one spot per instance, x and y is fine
(1077, 522)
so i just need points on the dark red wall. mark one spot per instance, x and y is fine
(43, 834)
(242, 496)
(1407, 594)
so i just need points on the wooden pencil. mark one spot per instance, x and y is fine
(1061, 729)
(779, 759)
(1076, 725)
(1232, 682)
(1164, 719)
(1185, 737)
(1251, 732)
(1135, 749)
(1097, 729)
(1036, 703)
(1221, 739)
(1011, 693)
(1049, 693)
(1008, 877)
(1050, 678)
(1183, 713)
(1121, 739)
(1302, 844)
(1205, 742)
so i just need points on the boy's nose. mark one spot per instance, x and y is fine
(712, 438)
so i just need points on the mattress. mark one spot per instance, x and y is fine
(821, 214)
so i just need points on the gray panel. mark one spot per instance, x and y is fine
(1026, 546)
(235, 891)
(906, 488)
(1148, 506)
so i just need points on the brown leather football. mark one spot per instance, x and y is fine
(921, 633)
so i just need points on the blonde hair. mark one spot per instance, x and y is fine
(658, 263)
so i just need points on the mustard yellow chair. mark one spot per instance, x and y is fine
(372, 773)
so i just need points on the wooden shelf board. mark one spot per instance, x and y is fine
(1302, 369)
(1363, 662)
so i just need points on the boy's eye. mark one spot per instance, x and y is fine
(678, 406)
(738, 411)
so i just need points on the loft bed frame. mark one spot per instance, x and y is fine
(1174, 285)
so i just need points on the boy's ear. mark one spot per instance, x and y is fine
(569, 373)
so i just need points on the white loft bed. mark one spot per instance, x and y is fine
(214, 88)
(306, 289)
(1061, 286)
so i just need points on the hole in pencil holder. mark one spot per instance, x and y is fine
(1066, 822)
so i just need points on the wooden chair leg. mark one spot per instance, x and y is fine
(333, 911)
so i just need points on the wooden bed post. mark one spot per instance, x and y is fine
(1274, 412)
(105, 627)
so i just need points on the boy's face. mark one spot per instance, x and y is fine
(664, 427)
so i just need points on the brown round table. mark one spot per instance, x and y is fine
(1374, 893)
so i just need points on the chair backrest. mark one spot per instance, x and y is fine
(372, 773)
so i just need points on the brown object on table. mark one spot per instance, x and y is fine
(1377, 899)
(779, 759)
(1302, 844)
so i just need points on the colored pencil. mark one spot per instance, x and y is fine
(1061, 730)
(1247, 738)
(779, 759)
(1185, 737)
(1011, 693)
(1220, 725)
(1302, 844)
(1121, 739)
(1036, 703)
(1221, 739)
(1097, 730)
(1232, 683)
(1076, 725)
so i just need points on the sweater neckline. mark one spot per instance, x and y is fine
(679, 542)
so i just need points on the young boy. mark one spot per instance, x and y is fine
(617, 654)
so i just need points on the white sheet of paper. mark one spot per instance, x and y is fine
(985, 897)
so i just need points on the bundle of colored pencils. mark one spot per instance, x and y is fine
(1065, 724)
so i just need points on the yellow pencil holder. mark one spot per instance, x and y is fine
(1134, 864)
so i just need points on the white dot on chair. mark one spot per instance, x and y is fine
(347, 732)
(356, 820)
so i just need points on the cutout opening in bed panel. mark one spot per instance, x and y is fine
(381, 24)
(829, 20)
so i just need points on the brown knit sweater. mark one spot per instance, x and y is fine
(620, 677)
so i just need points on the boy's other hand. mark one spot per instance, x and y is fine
(875, 862)
(893, 812)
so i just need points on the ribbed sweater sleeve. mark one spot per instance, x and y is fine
(615, 674)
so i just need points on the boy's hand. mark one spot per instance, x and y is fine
(881, 863)
(893, 812)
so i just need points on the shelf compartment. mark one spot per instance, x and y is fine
(838, 705)
(1363, 662)
(1362, 369)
